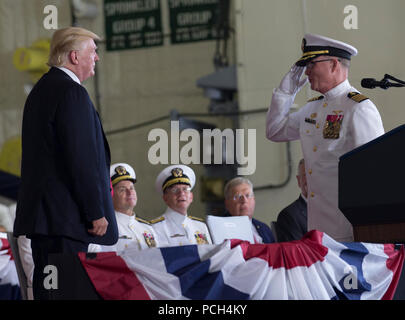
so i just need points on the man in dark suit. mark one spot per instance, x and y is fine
(292, 220)
(64, 200)
(240, 201)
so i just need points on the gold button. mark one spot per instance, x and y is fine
(307, 131)
(317, 125)
(325, 105)
(315, 148)
(312, 194)
(310, 171)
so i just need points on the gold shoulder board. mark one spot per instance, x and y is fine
(195, 218)
(356, 97)
(157, 220)
(315, 99)
(142, 220)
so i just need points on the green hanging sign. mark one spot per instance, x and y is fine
(131, 24)
(192, 20)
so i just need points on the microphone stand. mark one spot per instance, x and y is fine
(386, 84)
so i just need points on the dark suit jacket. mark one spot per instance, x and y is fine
(65, 181)
(292, 221)
(264, 231)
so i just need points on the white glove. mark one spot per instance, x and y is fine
(292, 82)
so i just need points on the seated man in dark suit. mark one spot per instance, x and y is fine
(292, 220)
(240, 201)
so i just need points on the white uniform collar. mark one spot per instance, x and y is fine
(70, 74)
(177, 217)
(124, 219)
(338, 90)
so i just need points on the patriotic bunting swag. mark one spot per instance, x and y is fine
(315, 267)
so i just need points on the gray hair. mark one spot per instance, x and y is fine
(233, 183)
(345, 63)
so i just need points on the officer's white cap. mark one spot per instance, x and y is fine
(175, 174)
(314, 45)
(121, 171)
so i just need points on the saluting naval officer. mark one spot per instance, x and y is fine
(175, 227)
(328, 126)
(134, 232)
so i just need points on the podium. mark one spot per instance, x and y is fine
(372, 188)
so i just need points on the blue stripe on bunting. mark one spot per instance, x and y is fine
(10, 292)
(353, 285)
(195, 280)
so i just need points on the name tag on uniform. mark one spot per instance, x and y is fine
(309, 120)
(124, 237)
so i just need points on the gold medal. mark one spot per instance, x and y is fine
(149, 239)
(201, 238)
(332, 126)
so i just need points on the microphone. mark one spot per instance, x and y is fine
(371, 83)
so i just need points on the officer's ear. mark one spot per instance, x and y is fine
(335, 64)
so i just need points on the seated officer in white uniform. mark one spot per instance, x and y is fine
(134, 232)
(175, 227)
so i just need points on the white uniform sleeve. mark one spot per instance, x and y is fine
(25, 252)
(366, 123)
(280, 124)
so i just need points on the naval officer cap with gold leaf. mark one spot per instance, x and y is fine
(175, 174)
(121, 171)
(314, 45)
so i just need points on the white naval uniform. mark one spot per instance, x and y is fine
(175, 229)
(361, 123)
(133, 232)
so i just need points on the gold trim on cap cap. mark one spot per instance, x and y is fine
(315, 52)
(174, 181)
(312, 54)
(120, 178)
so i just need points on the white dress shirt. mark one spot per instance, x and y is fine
(256, 236)
(70, 73)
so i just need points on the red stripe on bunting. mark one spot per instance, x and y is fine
(5, 245)
(288, 255)
(112, 278)
(394, 263)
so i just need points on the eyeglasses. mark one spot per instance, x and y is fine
(312, 63)
(178, 190)
(239, 196)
